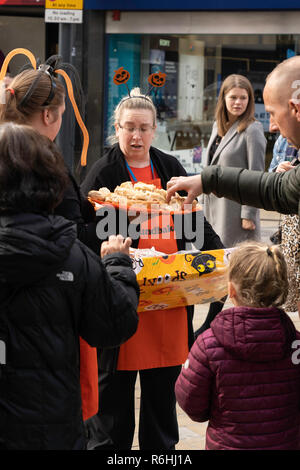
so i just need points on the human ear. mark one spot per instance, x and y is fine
(117, 129)
(45, 116)
(48, 117)
(231, 290)
(294, 106)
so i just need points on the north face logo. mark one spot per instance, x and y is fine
(65, 276)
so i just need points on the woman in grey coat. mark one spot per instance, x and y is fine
(237, 140)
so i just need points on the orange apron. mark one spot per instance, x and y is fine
(88, 379)
(161, 339)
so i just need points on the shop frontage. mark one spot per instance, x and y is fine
(22, 24)
(196, 51)
(196, 45)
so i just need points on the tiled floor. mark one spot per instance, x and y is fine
(192, 434)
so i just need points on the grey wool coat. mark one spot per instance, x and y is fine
(246, 150)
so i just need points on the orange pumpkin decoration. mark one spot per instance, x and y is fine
(121, 76)
(157, 79)
(167, 259)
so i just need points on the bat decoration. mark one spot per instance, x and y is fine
(203, 263)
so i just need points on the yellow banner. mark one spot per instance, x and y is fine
(64, 4)
(180, 279)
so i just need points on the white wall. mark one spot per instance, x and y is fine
(191, 80)
(25, 32)
(212, 22)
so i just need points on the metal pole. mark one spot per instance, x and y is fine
(66, 136)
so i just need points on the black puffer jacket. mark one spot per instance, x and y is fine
(53, 289)
(74, 206)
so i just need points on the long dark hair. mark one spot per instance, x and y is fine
(221, 116)
(33, 176)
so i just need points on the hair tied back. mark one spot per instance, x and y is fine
(269, 252)
(51, 67)
(5, 64)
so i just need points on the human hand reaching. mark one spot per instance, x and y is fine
(116, 244)
(191, 184)
(248, 224)
(284, 166)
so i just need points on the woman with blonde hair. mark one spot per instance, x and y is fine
(237, 140)
(160, 345)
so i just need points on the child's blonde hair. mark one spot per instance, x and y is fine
(259, 273)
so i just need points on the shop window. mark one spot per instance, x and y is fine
(195, 66)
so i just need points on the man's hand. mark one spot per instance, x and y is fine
(248, 224)
(191, 184)
(116, 244)
(284, 166)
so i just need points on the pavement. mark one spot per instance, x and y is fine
(192, 434)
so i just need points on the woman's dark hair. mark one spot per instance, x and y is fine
(221, 115)
(33, 90)
(33, 175)
(29, 92)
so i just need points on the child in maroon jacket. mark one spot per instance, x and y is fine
(243, 374)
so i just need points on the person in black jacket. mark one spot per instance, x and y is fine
(52, 289)
(163, 337)
(37, 98)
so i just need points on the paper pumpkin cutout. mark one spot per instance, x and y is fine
(121, 76)
(167, 259)
(157, 79)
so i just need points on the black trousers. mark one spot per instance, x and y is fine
(214, 309)
(114, 425)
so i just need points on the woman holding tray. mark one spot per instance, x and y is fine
(161, 343)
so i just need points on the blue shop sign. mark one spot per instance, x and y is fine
(191, 5)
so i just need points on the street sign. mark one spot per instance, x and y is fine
(63, 16)
(63, 11)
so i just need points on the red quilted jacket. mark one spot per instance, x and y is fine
(240, 377)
